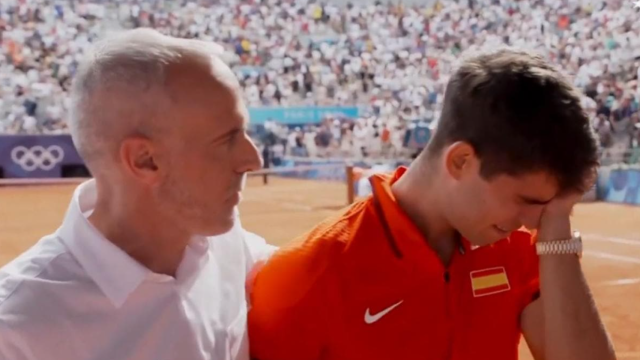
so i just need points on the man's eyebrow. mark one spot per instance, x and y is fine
(228, 134)
(534, 201)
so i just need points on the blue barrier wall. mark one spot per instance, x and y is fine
(44, 156)
(299, 115)
(615, 184)
(36, 156)
(336, 173)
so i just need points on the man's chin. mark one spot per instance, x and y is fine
(227, 225)
(219, 227)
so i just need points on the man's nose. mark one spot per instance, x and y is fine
(249, 156)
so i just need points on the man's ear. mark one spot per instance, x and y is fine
(460, 159)
(137, 157)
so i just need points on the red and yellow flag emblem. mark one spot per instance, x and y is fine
(489, 281)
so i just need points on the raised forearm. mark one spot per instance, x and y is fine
(573, 328)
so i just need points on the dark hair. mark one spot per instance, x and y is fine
(520, 115)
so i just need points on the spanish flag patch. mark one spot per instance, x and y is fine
(489, 281)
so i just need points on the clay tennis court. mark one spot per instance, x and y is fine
(287, 207)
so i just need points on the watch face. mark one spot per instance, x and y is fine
(577, 236)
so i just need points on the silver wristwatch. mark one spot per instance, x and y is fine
(561, 247)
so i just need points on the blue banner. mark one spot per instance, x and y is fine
(37, 156)
(619, 185)
(418, 137)
(300, 115)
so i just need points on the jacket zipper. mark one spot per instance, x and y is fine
(447, 299)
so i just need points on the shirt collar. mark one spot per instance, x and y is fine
(115, 272)
(408, 240)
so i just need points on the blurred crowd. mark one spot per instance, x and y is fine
(41, 43)
(392, 61)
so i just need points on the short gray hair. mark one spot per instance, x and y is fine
(120, 89)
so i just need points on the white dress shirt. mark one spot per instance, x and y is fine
(76, 296)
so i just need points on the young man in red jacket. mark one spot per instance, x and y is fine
(435, 265)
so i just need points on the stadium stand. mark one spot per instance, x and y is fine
(390, 60)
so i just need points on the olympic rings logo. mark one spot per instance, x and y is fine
(37, 157)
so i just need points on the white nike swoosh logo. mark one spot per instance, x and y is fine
(370, 319)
